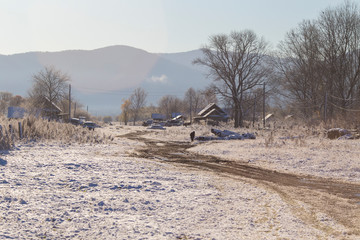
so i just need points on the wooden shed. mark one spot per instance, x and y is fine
(50, 110)
(212, 112)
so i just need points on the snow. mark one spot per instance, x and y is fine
(226, 135)
(50, 190)
(304, 153)
(339, 159)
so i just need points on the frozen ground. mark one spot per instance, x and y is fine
(54, 191)
(284, 151)
(338, 159)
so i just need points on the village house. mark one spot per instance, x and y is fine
(50, 110)
(212, 113)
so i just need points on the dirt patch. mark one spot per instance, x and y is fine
(340, 200)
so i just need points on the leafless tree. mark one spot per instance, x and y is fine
(49, 85)
(340, 48)
(320, 62)
(8, 100)
(5, 98)
(209, 95)
(77, 108)
(299, 64)
(170, 104)
(17, 101)
(236, 64)
(125, 111)
(107, 119)
(137, 102)
(193, 101)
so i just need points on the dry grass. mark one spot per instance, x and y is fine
(276, 134)
(34, 129)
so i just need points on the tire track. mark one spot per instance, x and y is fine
(340, 200)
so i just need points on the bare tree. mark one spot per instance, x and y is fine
(340, 48)
(236, 64)
(8, 100)
(80, 112)
(320, 62)
(149, 110)
(49, 85)
(5, 98)
(107, 119)
(137, 102)
(299, 64)
(209, 95)
(125, 111)
(17, 101)
(170, 104)
(193, 101)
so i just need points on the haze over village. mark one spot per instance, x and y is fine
(178, 119)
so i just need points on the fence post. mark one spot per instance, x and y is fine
(20, 131)
(11, 131)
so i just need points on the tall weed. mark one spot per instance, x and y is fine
(34, 129)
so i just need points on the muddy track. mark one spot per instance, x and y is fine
(341, 200)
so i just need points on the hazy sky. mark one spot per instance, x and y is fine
(152, 25)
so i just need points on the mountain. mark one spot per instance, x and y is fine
(101, 78)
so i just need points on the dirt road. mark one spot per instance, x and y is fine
(339, 200)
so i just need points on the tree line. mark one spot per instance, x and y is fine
(134, 108)
(49, 87)
(315, 71)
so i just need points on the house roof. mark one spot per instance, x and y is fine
(211, 110)
(269, 116)
(158, 116)
(56, 107)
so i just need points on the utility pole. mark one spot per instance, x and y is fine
(75, 109)
(190, 108)
(264, 105)
(69, 102)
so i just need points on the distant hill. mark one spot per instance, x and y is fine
(101, 78)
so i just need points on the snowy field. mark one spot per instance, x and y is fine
(82, 191)
(284, 151)
(338, 159)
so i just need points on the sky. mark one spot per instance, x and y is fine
(157, 26)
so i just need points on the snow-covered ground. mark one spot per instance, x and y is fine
(283, 151)
(54, 191)
(338, 159)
